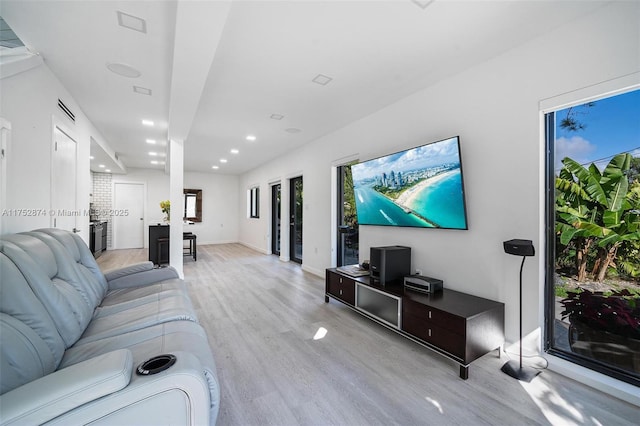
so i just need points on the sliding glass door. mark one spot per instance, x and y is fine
(348, 233)
(593, 222)
(295, 213)
(275, 219)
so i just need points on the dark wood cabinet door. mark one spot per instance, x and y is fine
(444, 339)
(435, 316)
(342, 288)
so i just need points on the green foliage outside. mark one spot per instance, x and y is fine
(598, 219)
(349, 200)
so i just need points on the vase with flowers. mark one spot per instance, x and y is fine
(165, 206)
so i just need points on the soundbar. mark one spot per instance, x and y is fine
(422, 283)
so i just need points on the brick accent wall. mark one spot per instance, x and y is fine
(102, 199)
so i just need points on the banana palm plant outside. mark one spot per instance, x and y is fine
(597, 208)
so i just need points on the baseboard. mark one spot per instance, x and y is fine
(252, 247)
(202, 243)
(314, 271)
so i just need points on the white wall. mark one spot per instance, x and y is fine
(219, 202)
(29, 101)
(220, 207)
(494, 107)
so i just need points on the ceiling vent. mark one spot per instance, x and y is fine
(322, 80)
(132, 22)
(66, 110)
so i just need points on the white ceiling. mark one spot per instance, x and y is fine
(238, 64)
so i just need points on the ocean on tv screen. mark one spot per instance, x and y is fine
(419, 187)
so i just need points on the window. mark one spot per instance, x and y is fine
(348, 229)
(254, 202)
(593, 242)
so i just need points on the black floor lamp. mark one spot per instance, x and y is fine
(514, 369)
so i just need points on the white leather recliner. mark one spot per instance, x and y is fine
(73, 339)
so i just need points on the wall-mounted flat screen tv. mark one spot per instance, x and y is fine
(419, 187)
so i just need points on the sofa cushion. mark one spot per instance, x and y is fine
(67, 256)
(80, 253)
(65, 305)
(111, 321)
(137, 294)
(24, 356)
(17, 300)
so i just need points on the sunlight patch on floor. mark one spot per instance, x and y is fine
(320, 333)
(555, 408)
(435, 404)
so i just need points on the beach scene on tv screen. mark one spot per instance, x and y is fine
(419, 187)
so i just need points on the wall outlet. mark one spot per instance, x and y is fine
(418, 271)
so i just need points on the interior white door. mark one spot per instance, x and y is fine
(63, 181)
(128, 218)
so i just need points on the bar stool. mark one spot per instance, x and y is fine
(188, 236)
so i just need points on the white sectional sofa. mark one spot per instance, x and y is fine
(78, 346)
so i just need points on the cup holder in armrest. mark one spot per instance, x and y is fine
(156, 364)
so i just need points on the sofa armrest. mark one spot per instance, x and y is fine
(180, 395)
(64, 390)
(128, 270)
(138, 275)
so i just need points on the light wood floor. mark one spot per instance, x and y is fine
(261, 316)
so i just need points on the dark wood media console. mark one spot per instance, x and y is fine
(457, 325)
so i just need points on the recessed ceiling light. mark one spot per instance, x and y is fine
(148, 123)
(154, 162)
(123, 69)
(132, 22)
(292, 130)
(91, 157)
(234, 151)
(277, 116)
(251, 138)
(215, 167)
(323, 80)
(108, 171)
(142, 90)
(153, 154)
(101, 166)
(151, 141)
(223, 160)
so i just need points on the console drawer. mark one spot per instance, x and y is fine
(434, 316)
(429, 332)
(342, 288)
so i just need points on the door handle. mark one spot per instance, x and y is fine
(76, 230)
(141, 219)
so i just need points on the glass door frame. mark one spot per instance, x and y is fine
(295, 213)
(549, 309)
(276, 218)
(344, 231)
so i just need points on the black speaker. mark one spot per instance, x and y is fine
(519, 247)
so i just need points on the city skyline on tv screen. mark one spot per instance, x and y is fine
(419, 187)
